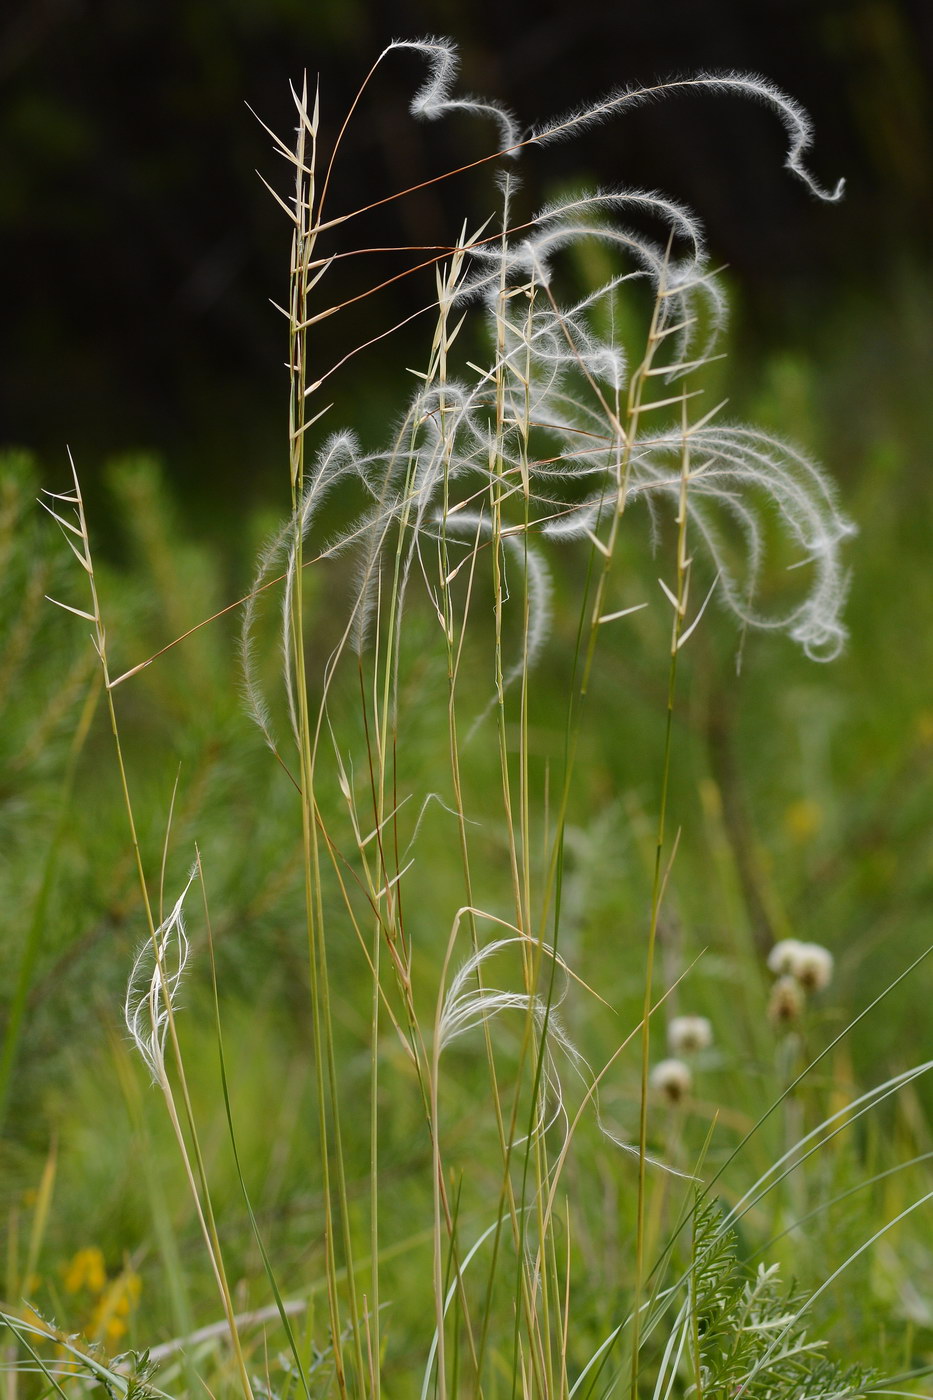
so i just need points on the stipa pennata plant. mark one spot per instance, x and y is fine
(494, 465)
(564, 427)
(550, 441)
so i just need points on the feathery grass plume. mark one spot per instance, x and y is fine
(433, 100)
(794, 119)
(469, 1004)
(336, 459)
(736, 463)
(561, 420)
(153, 986)
(538, 585)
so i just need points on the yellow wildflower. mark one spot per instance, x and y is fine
(109, 1319)
(86, 1270)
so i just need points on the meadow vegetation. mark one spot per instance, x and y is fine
(474, 963)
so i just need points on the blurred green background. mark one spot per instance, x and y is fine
(140, 256)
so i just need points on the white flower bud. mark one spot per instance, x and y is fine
(813, 966)
(782, 955)
(687, 1034)
(787, 1001)
(672, 1080)
(810, 963)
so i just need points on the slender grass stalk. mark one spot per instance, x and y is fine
(678, 599)
(194, 1171)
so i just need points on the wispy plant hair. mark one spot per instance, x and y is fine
(553, 372)
(794, 119)
(154, 983)
(433, 99)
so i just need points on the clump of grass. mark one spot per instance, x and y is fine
(561, 440)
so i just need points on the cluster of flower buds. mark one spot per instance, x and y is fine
(672, 1079)
(799, 968)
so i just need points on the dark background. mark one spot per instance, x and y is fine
(140, 250)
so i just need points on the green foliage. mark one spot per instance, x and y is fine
(751, 1332)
